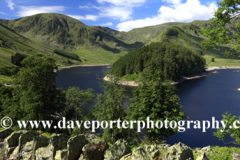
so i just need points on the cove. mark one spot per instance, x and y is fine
(202, 99)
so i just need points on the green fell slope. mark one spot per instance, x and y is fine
(190, 36)
(102, 45)
(12, 43)
(64, 32)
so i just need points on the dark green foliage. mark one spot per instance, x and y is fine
(213, 60)
(78, 101)
(5, 94)
(67, 54)
(17, 59)
(172, 32)
(226, 30)
(200, 53)
(9, 71)
(231, 131)
(109, 107)
(172, 59)
(35, 96)
(157, 101)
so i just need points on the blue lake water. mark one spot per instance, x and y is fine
(202, 99)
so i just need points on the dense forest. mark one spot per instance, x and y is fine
(171, 58)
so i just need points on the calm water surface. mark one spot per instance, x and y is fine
(202, 99)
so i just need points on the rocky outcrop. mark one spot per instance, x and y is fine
(149, 152)
(117, 151)
(29, 145)
(94, 151)
(56, 142)
(4, 134)
(11, 144)
(202, 157)
(179, 151)
(75, 145)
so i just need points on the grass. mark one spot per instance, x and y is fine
(131, 77)
(5, 79)
(95, 56)
(220, 60)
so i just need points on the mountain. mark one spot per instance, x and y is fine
(65, 32)
(102, 45)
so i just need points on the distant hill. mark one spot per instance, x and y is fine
(102, 45)
(12, 43)
(64, 32)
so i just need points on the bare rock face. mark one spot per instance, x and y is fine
(10, 143)
(75, 145)
(149, 152)
(4, 134)
(94, 151)
(179, 151)
(118, 150)
(56, 142)
(61, 154)
(202, 156)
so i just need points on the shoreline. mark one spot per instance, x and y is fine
(185, 78)
(222, 67)
(85, 65)
(209, 70)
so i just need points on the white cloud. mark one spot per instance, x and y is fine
(116, 12)
(89, 7)
(117, 9)
(3, 13)
(10, 4)
(172, 1)
(122, 2)
(106, 24)
(87, 17)
(32, 10)
(186, 12)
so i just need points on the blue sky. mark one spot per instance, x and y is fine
(122, 15)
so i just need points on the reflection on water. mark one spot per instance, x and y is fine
(202, 99)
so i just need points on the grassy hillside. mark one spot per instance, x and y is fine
(12, 42)
(100, 45)
(189, 35)
(64, 32)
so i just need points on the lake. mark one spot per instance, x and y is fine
(202, 99)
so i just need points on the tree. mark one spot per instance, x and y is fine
(109, 107)
(35, 96)
(226, 15)
(78, 101)
(157, 100)
(229, 132)
(17, 59)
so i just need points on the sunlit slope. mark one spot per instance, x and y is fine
(190, 35)
(12, 42)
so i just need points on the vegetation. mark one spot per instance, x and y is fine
(158, 102)
(176, 52)
(77, 106)
(17, 59)
(34, 94)
(226, 15)
(108, 107)
(97, 45)
(217, 152)
(66, 54)
(231, 132)
(173, 60)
